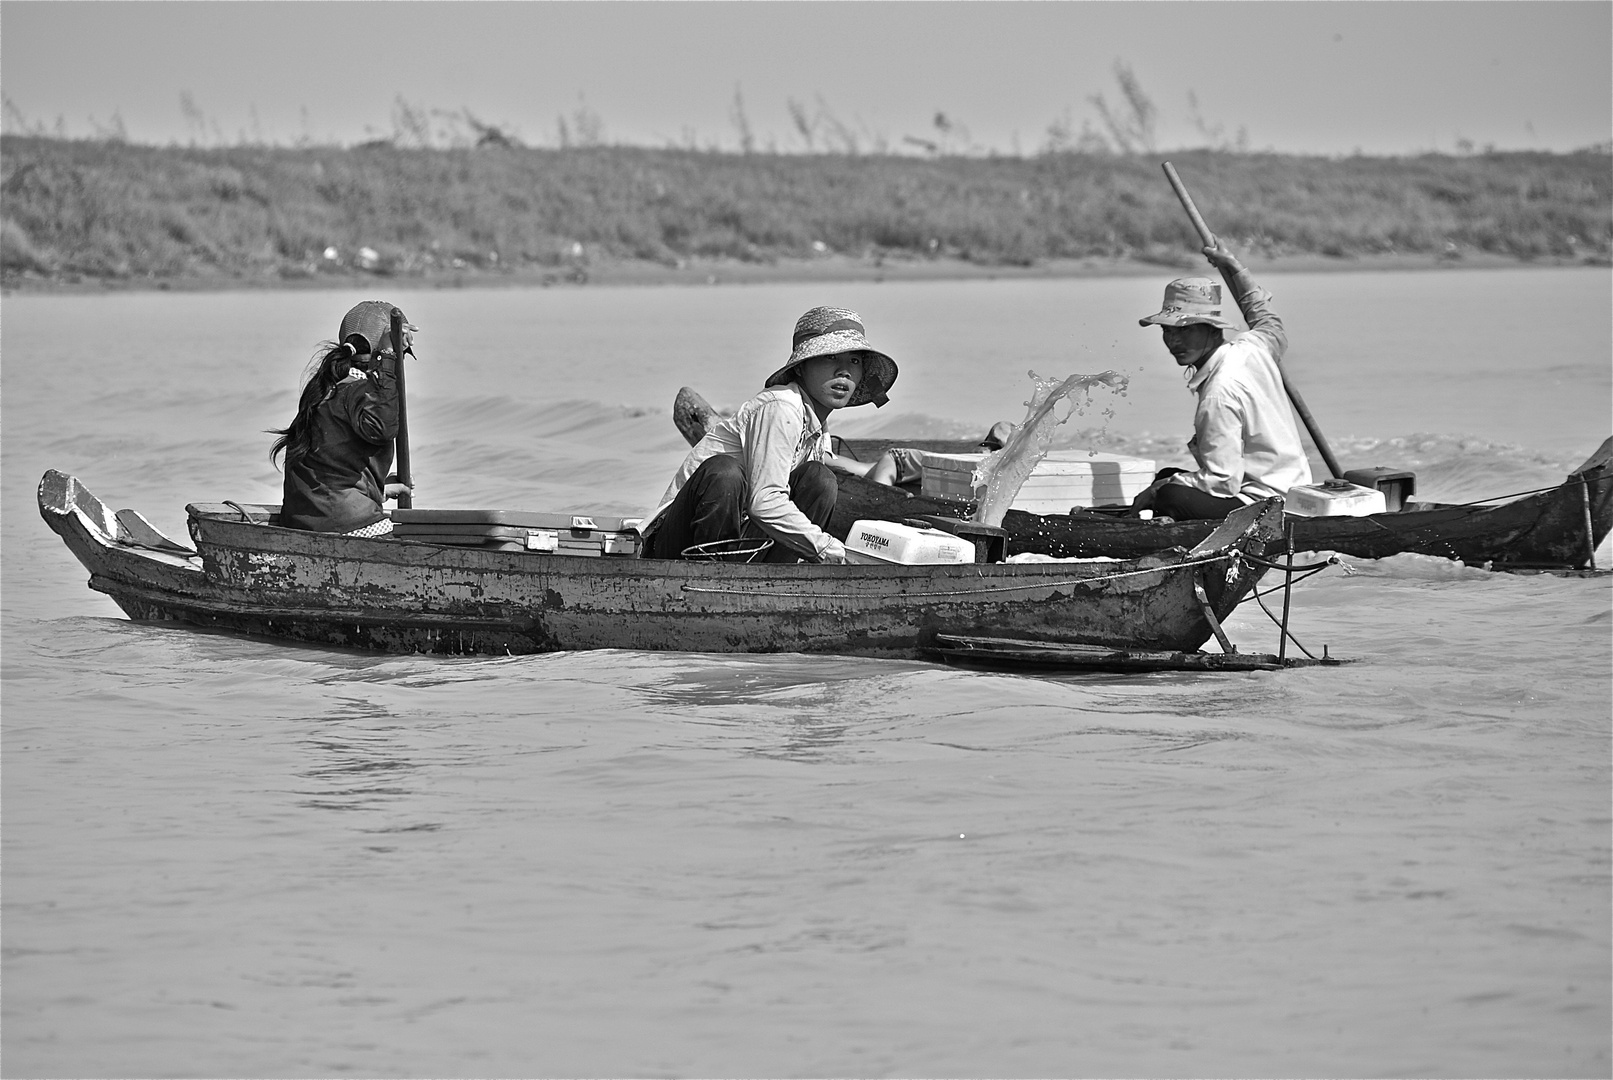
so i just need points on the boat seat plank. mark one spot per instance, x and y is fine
(136, 531)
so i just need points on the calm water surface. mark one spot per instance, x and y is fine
(234, 857)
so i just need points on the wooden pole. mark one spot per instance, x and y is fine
(405, 499)
(1293, 392)
(1209, 612)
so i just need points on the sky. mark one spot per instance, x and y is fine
(1295, 76)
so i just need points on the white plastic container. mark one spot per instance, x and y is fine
(1064, 478)
(1335, 498)
(886, 542)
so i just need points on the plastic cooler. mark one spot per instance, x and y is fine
(1334, 498)
(1062, 479)
(886, 542)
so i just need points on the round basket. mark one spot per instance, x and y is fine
(743, 550)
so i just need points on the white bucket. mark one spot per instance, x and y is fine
(1335, 498)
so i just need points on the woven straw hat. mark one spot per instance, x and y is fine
(825, 331)
(1191, 300)
(373, 320)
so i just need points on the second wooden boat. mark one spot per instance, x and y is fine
(1559, 528)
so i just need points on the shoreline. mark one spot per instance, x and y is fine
(832, 268)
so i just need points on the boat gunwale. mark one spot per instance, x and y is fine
(553, 602)
(784, 580)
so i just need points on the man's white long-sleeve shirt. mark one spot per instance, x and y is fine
(1245, 438)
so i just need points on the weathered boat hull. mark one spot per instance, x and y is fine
(1557, 528)
(399, 596)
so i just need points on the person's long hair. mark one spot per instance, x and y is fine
(297, 438)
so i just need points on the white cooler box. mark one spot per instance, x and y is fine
(1064, 478)
(1334, 498)
(885, 542)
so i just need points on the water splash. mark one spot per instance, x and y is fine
(1004, 471)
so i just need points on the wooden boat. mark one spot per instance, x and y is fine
(1556, 529)
(248, 574)
(1559, 528)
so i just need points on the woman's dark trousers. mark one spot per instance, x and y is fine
(711, 506)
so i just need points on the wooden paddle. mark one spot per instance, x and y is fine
(1288, 384)
(405, 498)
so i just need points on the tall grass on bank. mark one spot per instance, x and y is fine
(112, 210)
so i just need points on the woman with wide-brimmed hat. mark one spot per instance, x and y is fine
(339, 445)
(762, 472)
(1245, 438)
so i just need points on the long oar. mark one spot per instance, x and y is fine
(405, 499)
(1288, 384)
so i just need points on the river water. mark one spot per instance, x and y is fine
(228, 857)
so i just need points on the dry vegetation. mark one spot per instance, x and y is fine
(73, 210)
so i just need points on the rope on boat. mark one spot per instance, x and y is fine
(1310, 571)
(1581, 480)
(1398, 529)
(1256, 596)
(1267, 564)
(983, 589)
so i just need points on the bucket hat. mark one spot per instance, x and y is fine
(1191, 300)
(372, 319)
(826, 331)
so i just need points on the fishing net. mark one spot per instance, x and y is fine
(743, 550)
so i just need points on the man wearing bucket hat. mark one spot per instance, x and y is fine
(761, 473)
(1245, 438)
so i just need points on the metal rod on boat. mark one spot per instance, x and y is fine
(1288, 588)
(1293, 393)
(1590, 530)
(405, 499)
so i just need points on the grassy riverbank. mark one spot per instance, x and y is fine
(97, 214)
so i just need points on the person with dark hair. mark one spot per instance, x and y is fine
(338, 447)
(762, 472)
(1245, 439)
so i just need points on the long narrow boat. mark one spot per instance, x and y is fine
(1559, 528)
(248, 574)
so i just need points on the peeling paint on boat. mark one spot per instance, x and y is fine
(403, 596)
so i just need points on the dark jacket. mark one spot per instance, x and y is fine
(340, 484)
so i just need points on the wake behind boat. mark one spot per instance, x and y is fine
(249, 574)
